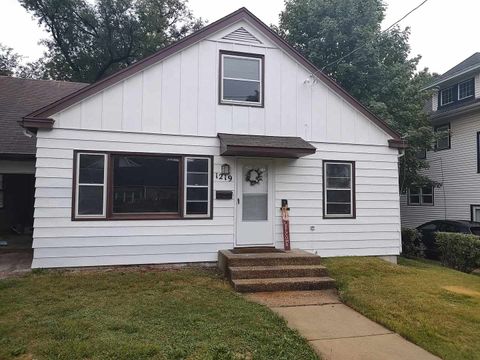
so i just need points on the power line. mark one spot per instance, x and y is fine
(362, 46)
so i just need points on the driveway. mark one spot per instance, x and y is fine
(15, 262)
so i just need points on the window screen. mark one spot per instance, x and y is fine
(338, 196)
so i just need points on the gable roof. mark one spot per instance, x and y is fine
(469, 64)
(18, 97)
(40, 118)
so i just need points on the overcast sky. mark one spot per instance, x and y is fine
(444, 32)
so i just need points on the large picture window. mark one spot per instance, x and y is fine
(145, 184)
(339, 189)
(142, 186)
(241, 79)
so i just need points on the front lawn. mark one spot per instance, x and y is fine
(188, 314)
(433, 306)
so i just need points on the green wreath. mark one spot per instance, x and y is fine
(254, 176)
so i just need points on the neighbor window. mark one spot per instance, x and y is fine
(2, 199)
(91, 185)
(465, 89)
(475, 213)
(420, 195)
(241, 79)
(339, 189)
(446, 96)
(142, 186)
(443, 140)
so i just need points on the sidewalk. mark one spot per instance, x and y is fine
(337, 332)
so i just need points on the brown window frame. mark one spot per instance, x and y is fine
(221, 101)
(109, 215)
(353, 214)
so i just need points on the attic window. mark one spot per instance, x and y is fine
(241, 79)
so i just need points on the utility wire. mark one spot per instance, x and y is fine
(383, 31)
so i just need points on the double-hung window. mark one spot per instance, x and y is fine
(339, 189)
(241, 79)
(142, 186)
(91, 189)
(420, 195)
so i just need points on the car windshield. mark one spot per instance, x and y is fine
(475, 230)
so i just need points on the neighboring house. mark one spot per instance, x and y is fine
(454, 163)
(192, 150)
(19, 97)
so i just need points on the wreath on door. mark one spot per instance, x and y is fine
(254, 176)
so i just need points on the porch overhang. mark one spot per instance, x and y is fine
(264, 146)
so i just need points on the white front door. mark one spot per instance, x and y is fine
(254, 203)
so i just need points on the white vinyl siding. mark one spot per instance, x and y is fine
(60, 242)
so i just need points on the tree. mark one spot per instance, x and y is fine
(344, 38)
(90, 40)
(9, 61)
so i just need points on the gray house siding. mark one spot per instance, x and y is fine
(456, 170)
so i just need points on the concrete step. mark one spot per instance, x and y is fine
(295, 257)
(276, 271)
(283, 284)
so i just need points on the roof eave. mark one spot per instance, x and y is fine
(34, 123)
(453, 76)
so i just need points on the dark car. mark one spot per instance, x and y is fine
(429, 229)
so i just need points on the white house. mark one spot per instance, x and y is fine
(454, 163)
(192, 150)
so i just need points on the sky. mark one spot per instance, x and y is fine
(442, 31)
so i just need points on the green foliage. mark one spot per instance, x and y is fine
(381, 72)
(459, 251)
(133, 314)
(9, 61)
(92, 39)
(412, 245)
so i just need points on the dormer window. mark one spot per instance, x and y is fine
(241, 78)
(465, 89)
(446, 96)
(460, 92)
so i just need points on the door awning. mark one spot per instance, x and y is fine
(264, 146)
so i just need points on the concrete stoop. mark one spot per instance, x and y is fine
(263, 271)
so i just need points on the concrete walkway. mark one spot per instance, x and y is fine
(337, 332)
(15, 262)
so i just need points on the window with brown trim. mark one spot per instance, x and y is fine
(241, 78)
(141, 186)
(339, 189)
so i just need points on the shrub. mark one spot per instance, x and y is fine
(412, 245)
(459, 251)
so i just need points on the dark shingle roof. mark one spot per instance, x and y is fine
(471, 61)
(19, 97)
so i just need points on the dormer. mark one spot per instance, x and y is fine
(458, 87)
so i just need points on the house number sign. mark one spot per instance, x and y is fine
(224, 177)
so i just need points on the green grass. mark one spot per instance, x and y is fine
(188, 314)
(411, 300)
